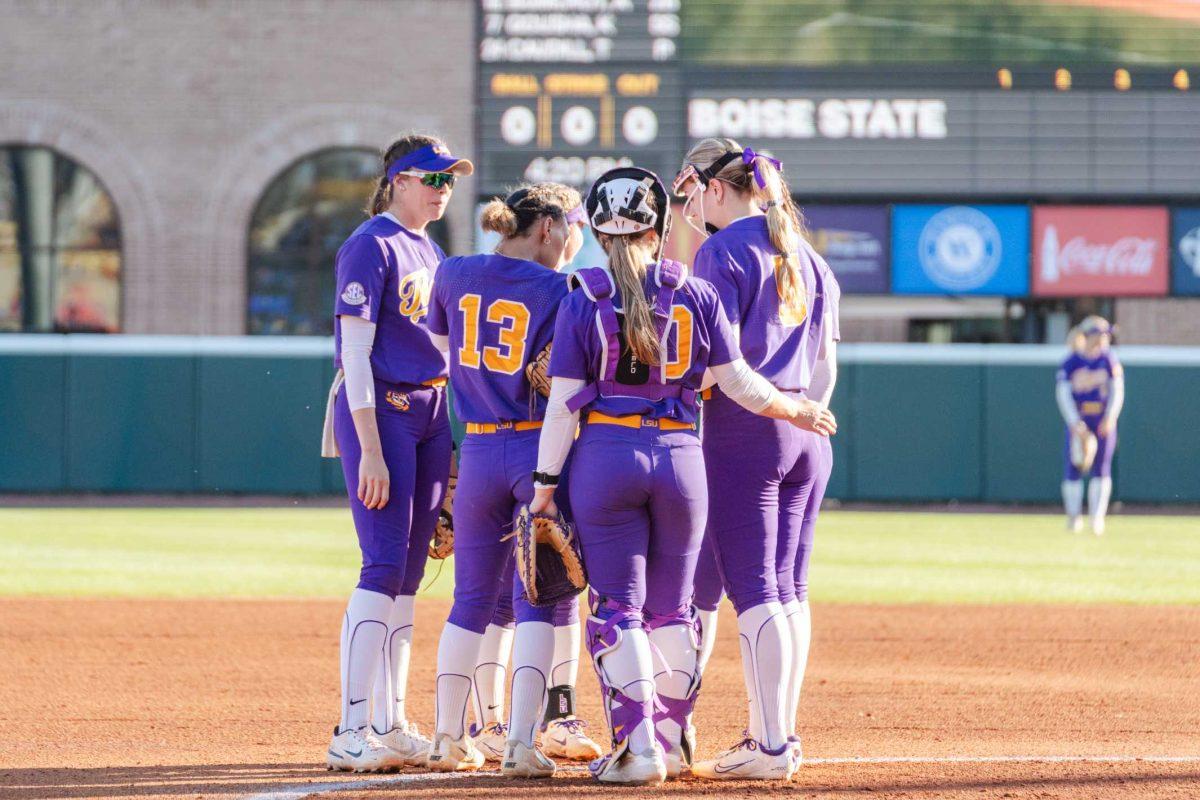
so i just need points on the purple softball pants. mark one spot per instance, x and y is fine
(416, 442)
(766, 480)
(639, 500)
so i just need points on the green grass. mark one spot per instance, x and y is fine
(860, 556)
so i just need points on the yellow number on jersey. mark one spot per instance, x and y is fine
(414, 294)
(681, 320)
(512, 317)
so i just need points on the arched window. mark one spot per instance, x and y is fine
(60, 245)
(297, 227)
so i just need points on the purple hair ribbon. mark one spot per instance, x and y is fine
(750, 157)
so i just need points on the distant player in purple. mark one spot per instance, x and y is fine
(495, 312)
(782, 300)
(1090, 392)
(631, 348)
(388, 420)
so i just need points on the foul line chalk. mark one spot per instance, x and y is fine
(318, 788)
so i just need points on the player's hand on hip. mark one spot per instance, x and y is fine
(374, 483)
(1105, 427)
(543, 501)
(1080, 427)
(812, 416)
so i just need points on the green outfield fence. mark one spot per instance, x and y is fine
(242, 415)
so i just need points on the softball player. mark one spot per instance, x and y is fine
(781, 299)
(387, 418)
(496, 313)
(632, 366)
(1090, 389)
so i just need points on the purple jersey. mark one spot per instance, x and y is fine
(499, 314)
(1089, 379)
(698, 337)
(384, 273)
(781, 345)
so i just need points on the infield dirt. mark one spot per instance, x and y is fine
(228, 699)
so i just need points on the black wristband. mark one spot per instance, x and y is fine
(545, 479)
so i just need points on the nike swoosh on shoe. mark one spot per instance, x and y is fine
(730, 769)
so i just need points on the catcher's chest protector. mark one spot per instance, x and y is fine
(597, 284)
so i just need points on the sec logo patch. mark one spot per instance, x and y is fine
(354, 294)
(397, 400)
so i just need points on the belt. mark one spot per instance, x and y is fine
(638, 421)
(435, 382)
(493, 427)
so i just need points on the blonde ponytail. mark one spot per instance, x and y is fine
(785, 226)
(627, 259)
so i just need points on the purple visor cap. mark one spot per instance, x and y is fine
(431, 158)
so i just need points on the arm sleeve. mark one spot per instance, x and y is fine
(358, 336)
(436, 321)
(361, 273)
(440, 341)
(824, 375)
(1116, 396)
(1066, 403)
(559, 427)
(743, 385)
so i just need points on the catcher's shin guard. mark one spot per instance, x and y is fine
(677, 638)
(613, 651)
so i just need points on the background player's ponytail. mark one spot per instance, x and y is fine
(516, 214)
(628, 257)
(784, 222)
(381, 197)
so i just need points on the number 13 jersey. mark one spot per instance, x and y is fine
(498, 313)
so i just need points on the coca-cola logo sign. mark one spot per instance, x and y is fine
(1098, 250)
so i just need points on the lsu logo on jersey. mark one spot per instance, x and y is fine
(415, 288)
(397, 400)
(789, 315)
(1089, 380)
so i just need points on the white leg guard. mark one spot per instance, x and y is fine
(364, 630)
(677, 689)
(458, 652)
(767, 646)
(1099, 492)
(625, 666)
(490, 673)
(1072, 492)
(391, 681)
(800, 625)
(708, 636)
(533, 653)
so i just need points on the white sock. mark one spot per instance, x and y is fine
(391, 681)
(565, 671)
(767, 645)
(630, 669)
(1072, 492)
(490, 672)
(681, 650)
(1099, 492)
(708, 636)
(364, 629)
(800, 624)
(533, 651)
(458, 652)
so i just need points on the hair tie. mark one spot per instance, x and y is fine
(750, 157)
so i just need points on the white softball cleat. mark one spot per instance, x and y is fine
(632, 769)
(796, 751)
(1075, 525)
(406, 740)
(523, 761)
(491, 741)
(360, 750)
(453, 755)
(747, 761)
(565, 738)
(1098, 527)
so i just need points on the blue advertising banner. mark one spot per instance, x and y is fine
(1185, 251)
(854, 242)
(960, 250)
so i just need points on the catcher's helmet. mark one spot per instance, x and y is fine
(616, 203)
